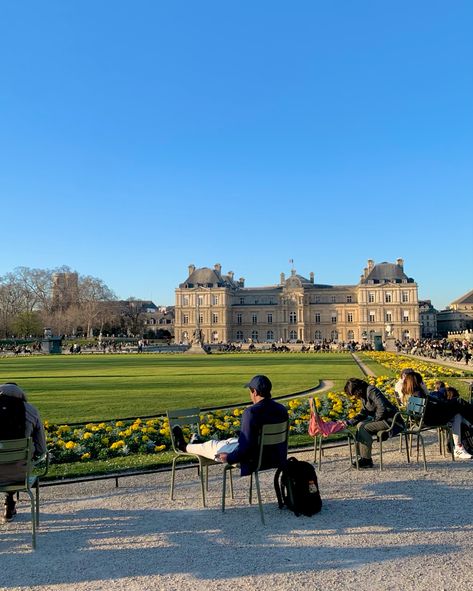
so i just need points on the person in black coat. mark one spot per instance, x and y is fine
(377, 414)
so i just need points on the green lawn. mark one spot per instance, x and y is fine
(77, 388)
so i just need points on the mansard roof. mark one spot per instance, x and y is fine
(205, 277)
(387, 273)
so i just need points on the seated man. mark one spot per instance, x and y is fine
(18, 419)
(244, 450)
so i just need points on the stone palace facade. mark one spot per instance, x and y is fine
(383, 303)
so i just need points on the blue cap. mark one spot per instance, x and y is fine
(261, 384)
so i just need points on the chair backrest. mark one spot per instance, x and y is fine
(416, 409)
(15, 460)
(272, 434)
(183, 417)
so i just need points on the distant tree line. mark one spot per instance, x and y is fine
(66, 302)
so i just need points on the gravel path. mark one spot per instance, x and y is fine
(399, 529)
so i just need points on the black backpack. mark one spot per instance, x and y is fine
(12, 417)
(297, 488)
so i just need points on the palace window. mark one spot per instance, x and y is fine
(318, 335)
(349, 317)
(270, 335)
(270, 318)
(215, 300)
(371, 297)
(201, 318)
(254, 335)
(334, 317)
(185, 300)
(200, 300)
(293, 335)
(350, 335)
(333, 299)
(405, 316)
(317, 318)
(239, 335)
(388, 297)
(372, 316)
(334, 335)
(405, 296)
(185, 319)
(254, 319)
(389, 317)
(215, 318)
(239, 318)
(292, 318)
(349, 299)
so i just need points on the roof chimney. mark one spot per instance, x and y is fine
(191, 269)
(370, 264)
(230, 274)
(241, 281)
(400, 263)
(282, 279)
(218, 267)
(311, 276)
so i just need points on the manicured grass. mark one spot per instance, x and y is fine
(69, 388)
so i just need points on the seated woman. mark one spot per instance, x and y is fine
(452, 410)
(377, 414)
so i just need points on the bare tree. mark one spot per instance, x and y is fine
(93, 297)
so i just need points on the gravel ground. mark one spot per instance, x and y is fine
(399, 529)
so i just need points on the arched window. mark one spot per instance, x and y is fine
(293, 335)
(270, 335)
(318, 335)
(334, 335)
(254, 336)
(239, 335)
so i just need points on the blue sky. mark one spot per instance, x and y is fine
(139, 137)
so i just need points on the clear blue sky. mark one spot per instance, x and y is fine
(137, 137)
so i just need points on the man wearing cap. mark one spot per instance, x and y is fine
(244, 450)
(18, 419)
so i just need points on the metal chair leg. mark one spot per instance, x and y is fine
(258, 493)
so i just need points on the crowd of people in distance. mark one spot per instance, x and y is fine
(460, 350)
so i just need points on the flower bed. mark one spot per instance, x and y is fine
(427, 370)
(100, 441)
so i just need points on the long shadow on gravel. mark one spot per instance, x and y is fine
(100, 544)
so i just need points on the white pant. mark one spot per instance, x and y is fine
(209, 449)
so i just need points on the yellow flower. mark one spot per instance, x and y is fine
(159, 448)
(117, 444)
(70, 445)
(119, 424)
(87, 435)
(85, 456)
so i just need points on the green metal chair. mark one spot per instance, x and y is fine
(188, 417)
(318, 442)
(414, 418)
(16, 474)
(271, 434)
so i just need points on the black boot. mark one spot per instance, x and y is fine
(179, 438)
(10, 509)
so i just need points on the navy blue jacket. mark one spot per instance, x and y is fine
(265, 412)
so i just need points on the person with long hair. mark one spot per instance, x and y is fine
(451, 410)
(376, 415)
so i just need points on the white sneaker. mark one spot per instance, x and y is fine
(461, 454)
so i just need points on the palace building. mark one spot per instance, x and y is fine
(221, 309)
